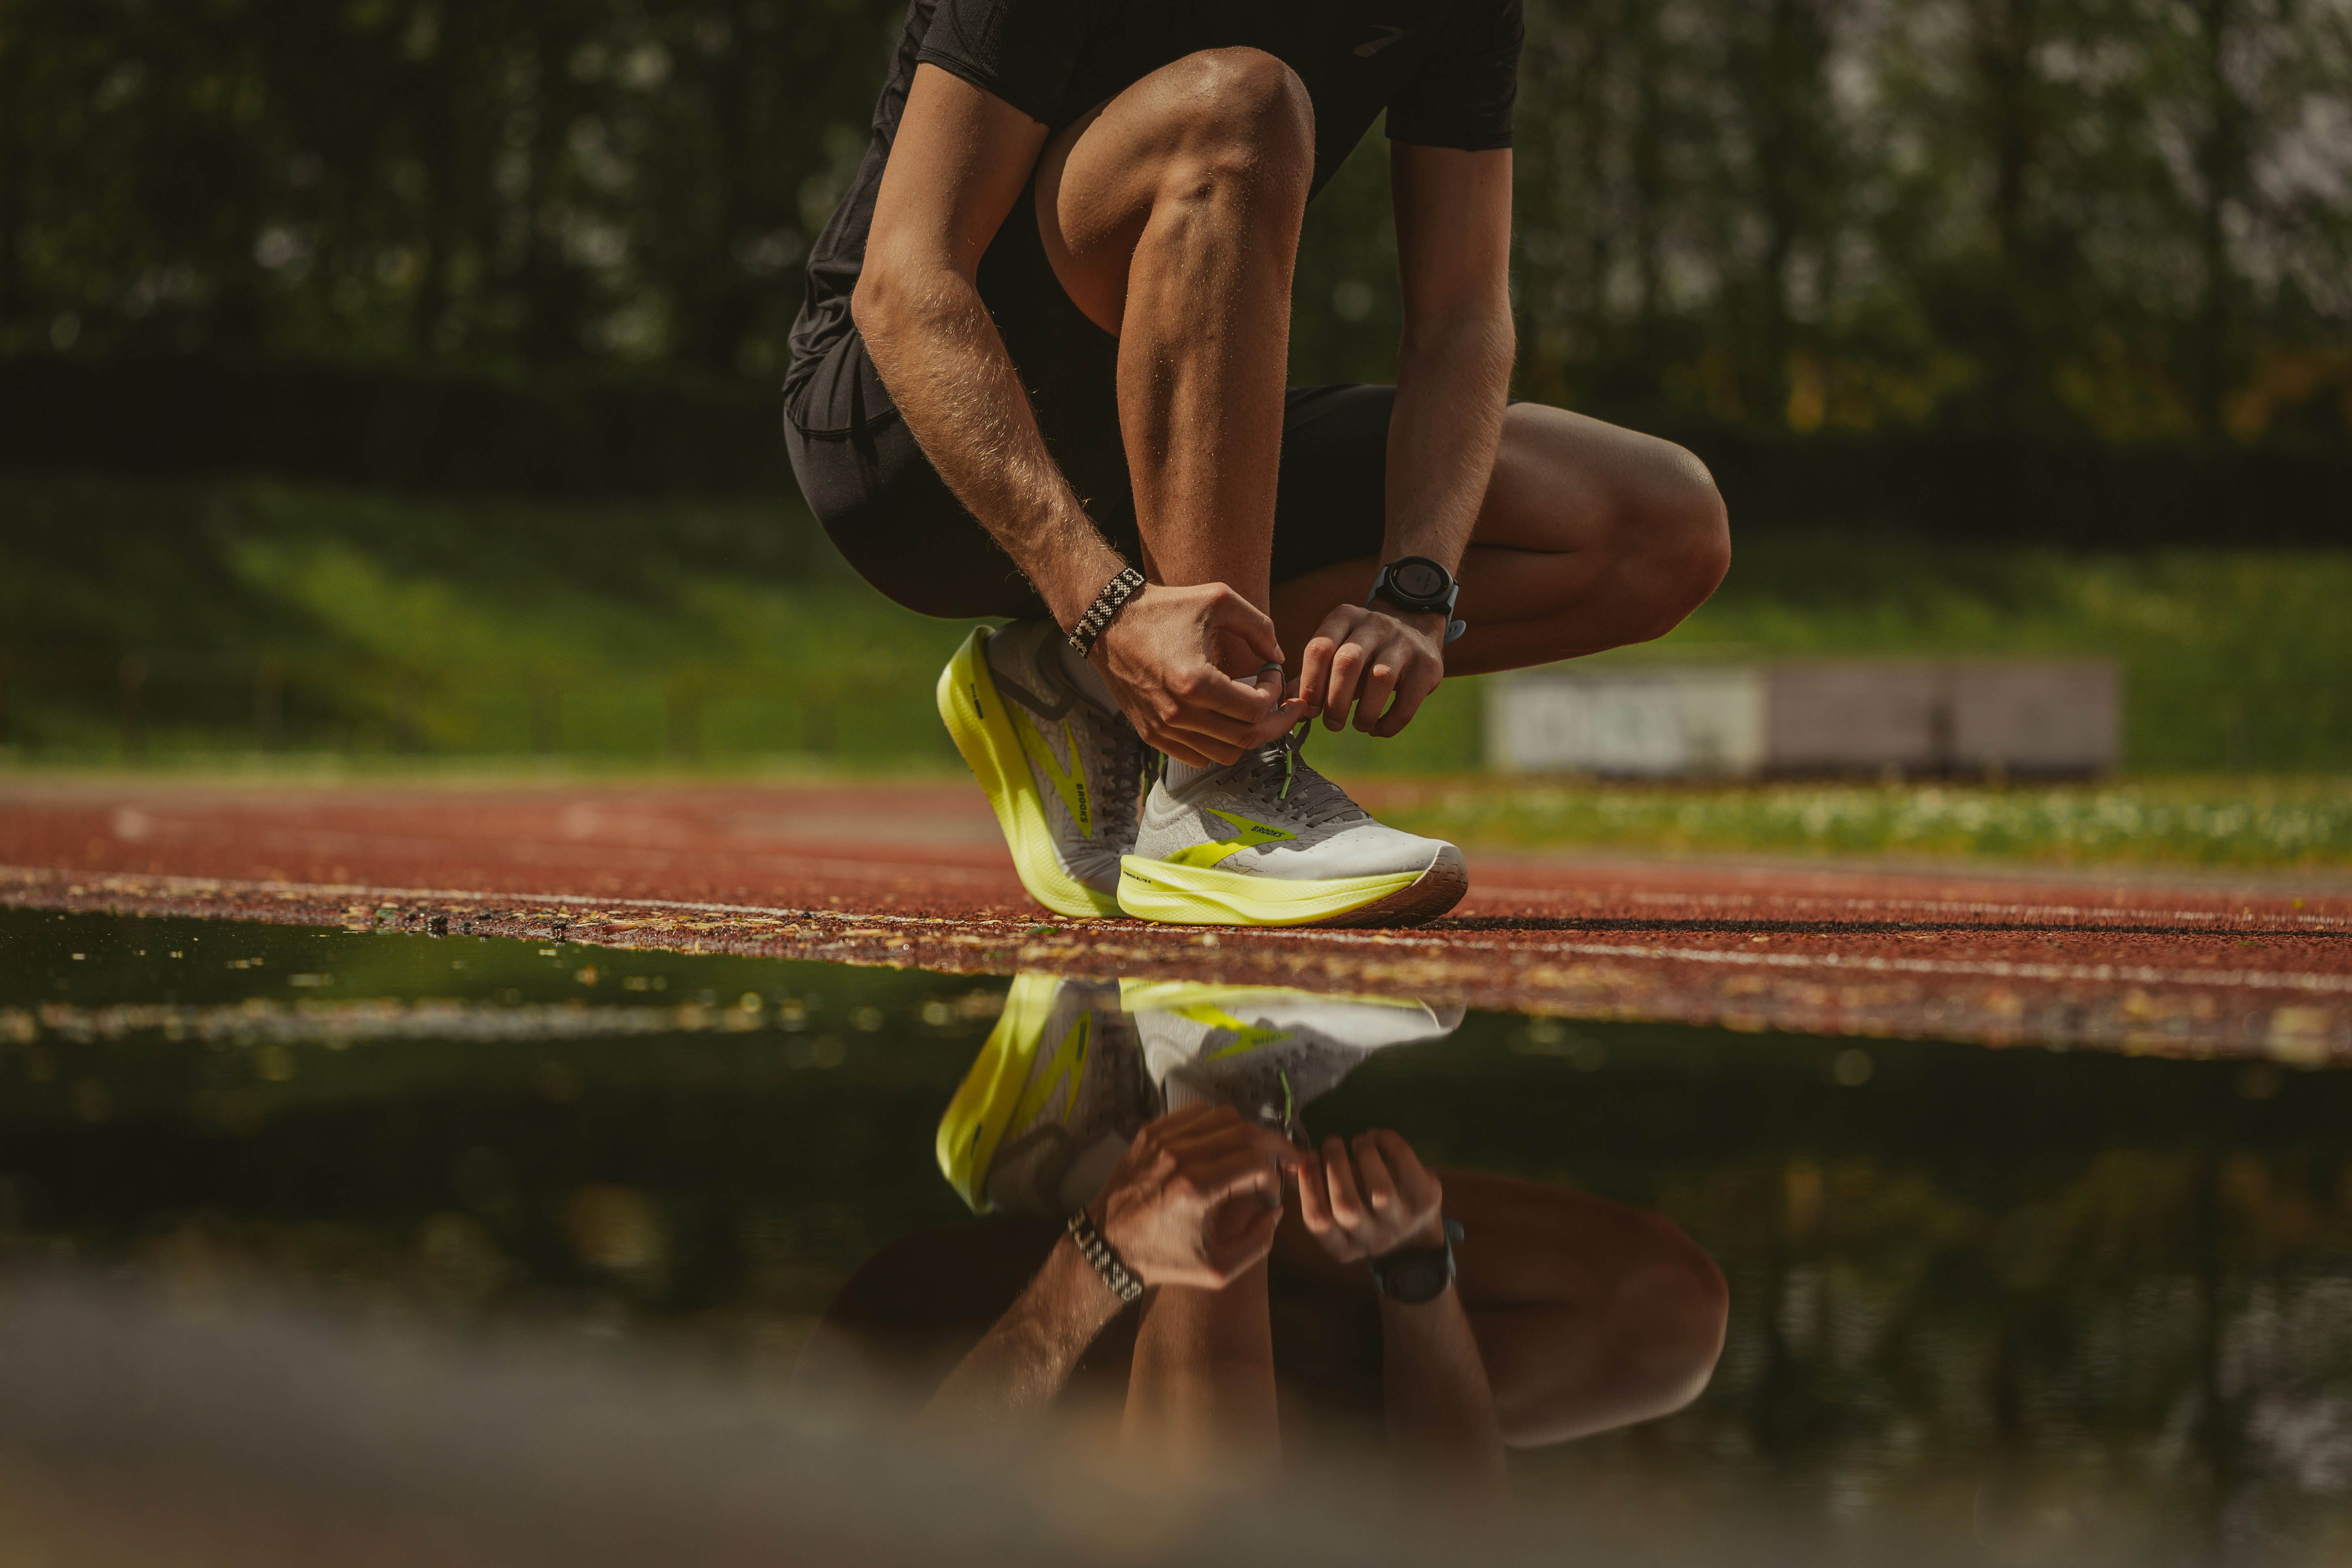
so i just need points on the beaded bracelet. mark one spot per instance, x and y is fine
(1106, 1263)
(1107, 603)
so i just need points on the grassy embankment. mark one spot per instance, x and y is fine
(204, 624)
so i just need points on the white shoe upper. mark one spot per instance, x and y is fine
(1087, 760)
(1263, 1050)
(1271, 815)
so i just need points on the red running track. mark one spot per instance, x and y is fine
(916, 874)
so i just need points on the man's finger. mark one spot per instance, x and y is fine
(1219, 1170)
(1221, 1127)
(1232, 1253)
(1178, 751)
(1314, 1203)
(1273, 727)
(1246, 1144)
(1208, 690)
(1403, 1163)
(1411, 692)
(1372, 698)
(1253, 626)
(1191, 1117)
(1199, 1131)
(1347, 669)
(1347, 1204)
(1223, 743)
(1372, 1175)
(1314, 670)
(1290, 712)
(1235, 1178)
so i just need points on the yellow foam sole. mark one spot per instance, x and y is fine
(1201, 894)
(979, 1115)
(1166, 995)
(983, 730)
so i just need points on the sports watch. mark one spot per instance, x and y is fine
(1417, 1274)
(1417, 583)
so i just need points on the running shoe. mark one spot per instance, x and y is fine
(1062, 773)
(1267, 1050)
(1058, 1093)
(1269, 841)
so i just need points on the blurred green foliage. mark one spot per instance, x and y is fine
(2111, 219)
(207, 620)
(144, 622)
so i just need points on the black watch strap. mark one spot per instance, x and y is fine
(1415, 1275)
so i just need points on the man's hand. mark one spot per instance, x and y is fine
(1196, 1197)
(1361, 657)
(1166, 657)
(1375, 1203)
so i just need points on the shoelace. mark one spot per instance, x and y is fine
(1282, 778)
(1118, 766)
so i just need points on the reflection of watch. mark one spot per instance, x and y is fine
(1418, 584)
(1417, 1274)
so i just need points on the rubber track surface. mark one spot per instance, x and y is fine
(916, 875)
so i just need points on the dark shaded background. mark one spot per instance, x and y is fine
(2024, 268)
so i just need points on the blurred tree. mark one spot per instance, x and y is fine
(2118, 219)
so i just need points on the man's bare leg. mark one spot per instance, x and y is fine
(1588, 1314)
(1172, 216)
(1200, 1388)
(1591, 536)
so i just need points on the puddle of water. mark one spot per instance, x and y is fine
(2042, 1303)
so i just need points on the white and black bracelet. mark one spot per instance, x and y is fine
(1114, 596)
(1104, 1261)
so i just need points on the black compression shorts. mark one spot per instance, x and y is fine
(895, 520)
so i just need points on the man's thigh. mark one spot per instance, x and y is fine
(882, 504)
(1100, 179)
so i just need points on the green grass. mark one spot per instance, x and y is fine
(729, 635)
(2251, 823)
(403, 629)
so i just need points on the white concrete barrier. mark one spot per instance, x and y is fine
(1809, 716)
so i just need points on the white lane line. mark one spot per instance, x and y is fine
(1948, 906)
(1999, 969)
(118, 882)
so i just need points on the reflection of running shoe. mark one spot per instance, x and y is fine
(1062, 773)
(1264, 1050)
(1271, 842)
(1058, 1094)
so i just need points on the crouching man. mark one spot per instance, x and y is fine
(1039, 375)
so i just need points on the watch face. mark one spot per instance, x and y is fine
(1417, 1278)
(1420, 579)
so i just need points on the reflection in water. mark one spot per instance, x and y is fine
(2063, 1308)
(1334, 1285)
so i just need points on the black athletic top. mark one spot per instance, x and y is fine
(1445, 70)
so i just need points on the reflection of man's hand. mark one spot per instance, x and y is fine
(1372, 1200)
(1195, 1199)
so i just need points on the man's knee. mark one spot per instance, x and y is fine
(1668, 538)
(1668, 1316)
(1689, 529)
(1239, 114)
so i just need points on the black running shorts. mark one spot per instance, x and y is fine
(895, 520)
